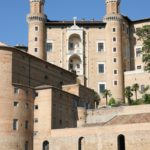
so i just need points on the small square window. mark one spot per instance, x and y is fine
(35, 49)
(36, 28)
(16, 104)
(114, 39)
(114, 49)
(115, 60)
(115, 82)
(36, 107)
(35, 120)
(36, 39)
(114, 29)
(115, 72)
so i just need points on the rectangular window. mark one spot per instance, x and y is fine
(138, 52)
(36, 107)
(102, 87)
(71, 46)
(139, 67)
(114, 39)
(49, 47)
(16, 104)
(36, 28)
(115, 60)
(115, 82)
(26, 145)
(100, 46)
(101, 68)
(36, 39)
(26, 124)
(115, 72)
(114, 29)
(114, 49)
(15, 124)
(35, 49)
(35, 120)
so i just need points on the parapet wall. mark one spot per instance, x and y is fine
(103, 115)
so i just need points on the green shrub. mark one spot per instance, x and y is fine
(146, 98)
(112, 102)
(137, 102)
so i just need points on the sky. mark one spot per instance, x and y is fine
(14, 28)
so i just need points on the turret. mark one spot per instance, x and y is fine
(37, 34)
(112, 6)
(114, 52)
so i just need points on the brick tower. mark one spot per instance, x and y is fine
(37, 34)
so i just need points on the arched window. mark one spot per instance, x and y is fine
(80, 143)
(121, 142)
(45, 145)
(75, 63)
(74, 42)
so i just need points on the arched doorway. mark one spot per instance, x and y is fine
(121, 142)
(45, 145)
(80, 143)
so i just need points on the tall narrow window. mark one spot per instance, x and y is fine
(101, 68)
(45, 145)
(100, 47)
(15, 124)
(26, 124)
(138, 52)
(121, 142)
(102, 87)
(80, 143)
(114, 39)
(26, 145)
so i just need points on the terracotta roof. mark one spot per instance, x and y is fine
(130, 119)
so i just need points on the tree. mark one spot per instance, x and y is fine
(144, 35)
(135, 88)
(106, 93)
(96, 98)
(128, 94)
